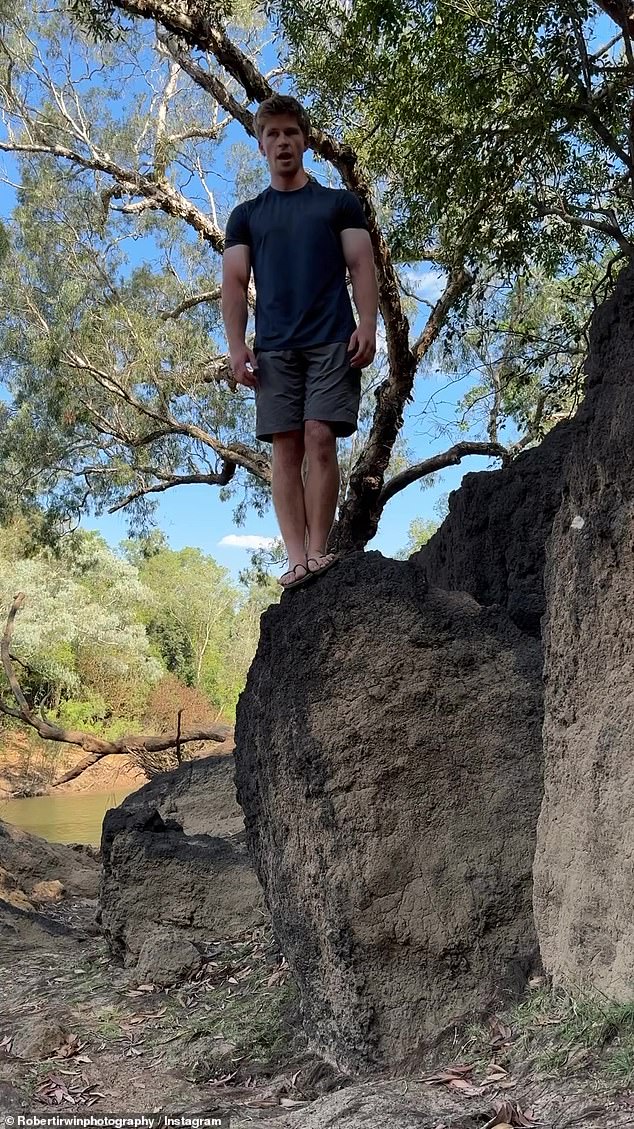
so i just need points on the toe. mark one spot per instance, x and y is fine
(319, 561)
(298, 572)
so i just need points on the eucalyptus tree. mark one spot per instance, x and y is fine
(490, 142)
(109, 310)
(81, 613)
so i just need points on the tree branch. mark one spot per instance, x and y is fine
(159, 193)
(610, 229)
(621, 12)
(256, 463)
(209, 82)
(459, 282)
(189, 303)
(223, 478)
(359, 516)
(451, 457)
(96, 747)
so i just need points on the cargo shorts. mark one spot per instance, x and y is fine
(295, 385)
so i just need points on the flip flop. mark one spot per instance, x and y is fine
(298, 579)
(324, 568)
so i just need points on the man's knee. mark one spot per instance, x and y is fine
(288, 449)
(319, 439)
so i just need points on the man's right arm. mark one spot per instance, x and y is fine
(236, 272)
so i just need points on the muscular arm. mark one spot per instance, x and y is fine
(357, 251)
(236, 272)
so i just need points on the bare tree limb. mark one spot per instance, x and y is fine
(360, 514)
(255, 462)
(223, 478)
(612, 230)
(209, 82)
(621, 11)
(451, 457)
(96, 747)
(459, 282)
(160, 194)
(189, 303)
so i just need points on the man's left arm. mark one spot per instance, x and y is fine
(357, 251)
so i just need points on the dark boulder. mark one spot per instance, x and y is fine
(388, 757)
(493, 543)
(174, 855)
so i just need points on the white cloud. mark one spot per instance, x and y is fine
(247, 541)
(427, 283)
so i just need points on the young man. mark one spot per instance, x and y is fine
(299, 238)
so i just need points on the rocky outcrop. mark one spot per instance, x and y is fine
(174, 855)
(34, 871)
(584, 867)
(493, 543)
(388, 756)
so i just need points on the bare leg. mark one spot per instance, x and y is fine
(288, 500)
(321, 490)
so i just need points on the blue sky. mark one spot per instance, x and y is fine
(193, 515)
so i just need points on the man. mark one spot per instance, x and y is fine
(298, 238)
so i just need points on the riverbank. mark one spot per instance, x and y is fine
(28, 767)
(77, 1029)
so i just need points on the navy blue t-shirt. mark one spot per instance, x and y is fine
(298, 264)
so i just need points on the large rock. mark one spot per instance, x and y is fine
(584, 868)
(174, 855)
(492, 545)
(28, 864)
(388, 756)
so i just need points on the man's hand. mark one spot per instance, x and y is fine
(362, 345)
(244, 366)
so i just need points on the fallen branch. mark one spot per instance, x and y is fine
(96, 747)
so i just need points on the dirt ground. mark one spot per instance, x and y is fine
(81, 1034)
(78, 1033)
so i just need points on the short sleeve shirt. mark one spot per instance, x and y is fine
(298, 264)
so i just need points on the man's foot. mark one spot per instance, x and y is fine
(295, 576)
(321, 562)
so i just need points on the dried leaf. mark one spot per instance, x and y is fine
(466, 1088)
(288, 1102)
(70, 1047)
(448, 1075)
(507, 1113)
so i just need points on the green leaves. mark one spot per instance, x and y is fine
(475, 117)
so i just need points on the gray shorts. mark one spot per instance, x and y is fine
(295, 385)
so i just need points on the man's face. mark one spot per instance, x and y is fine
(282, 143)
